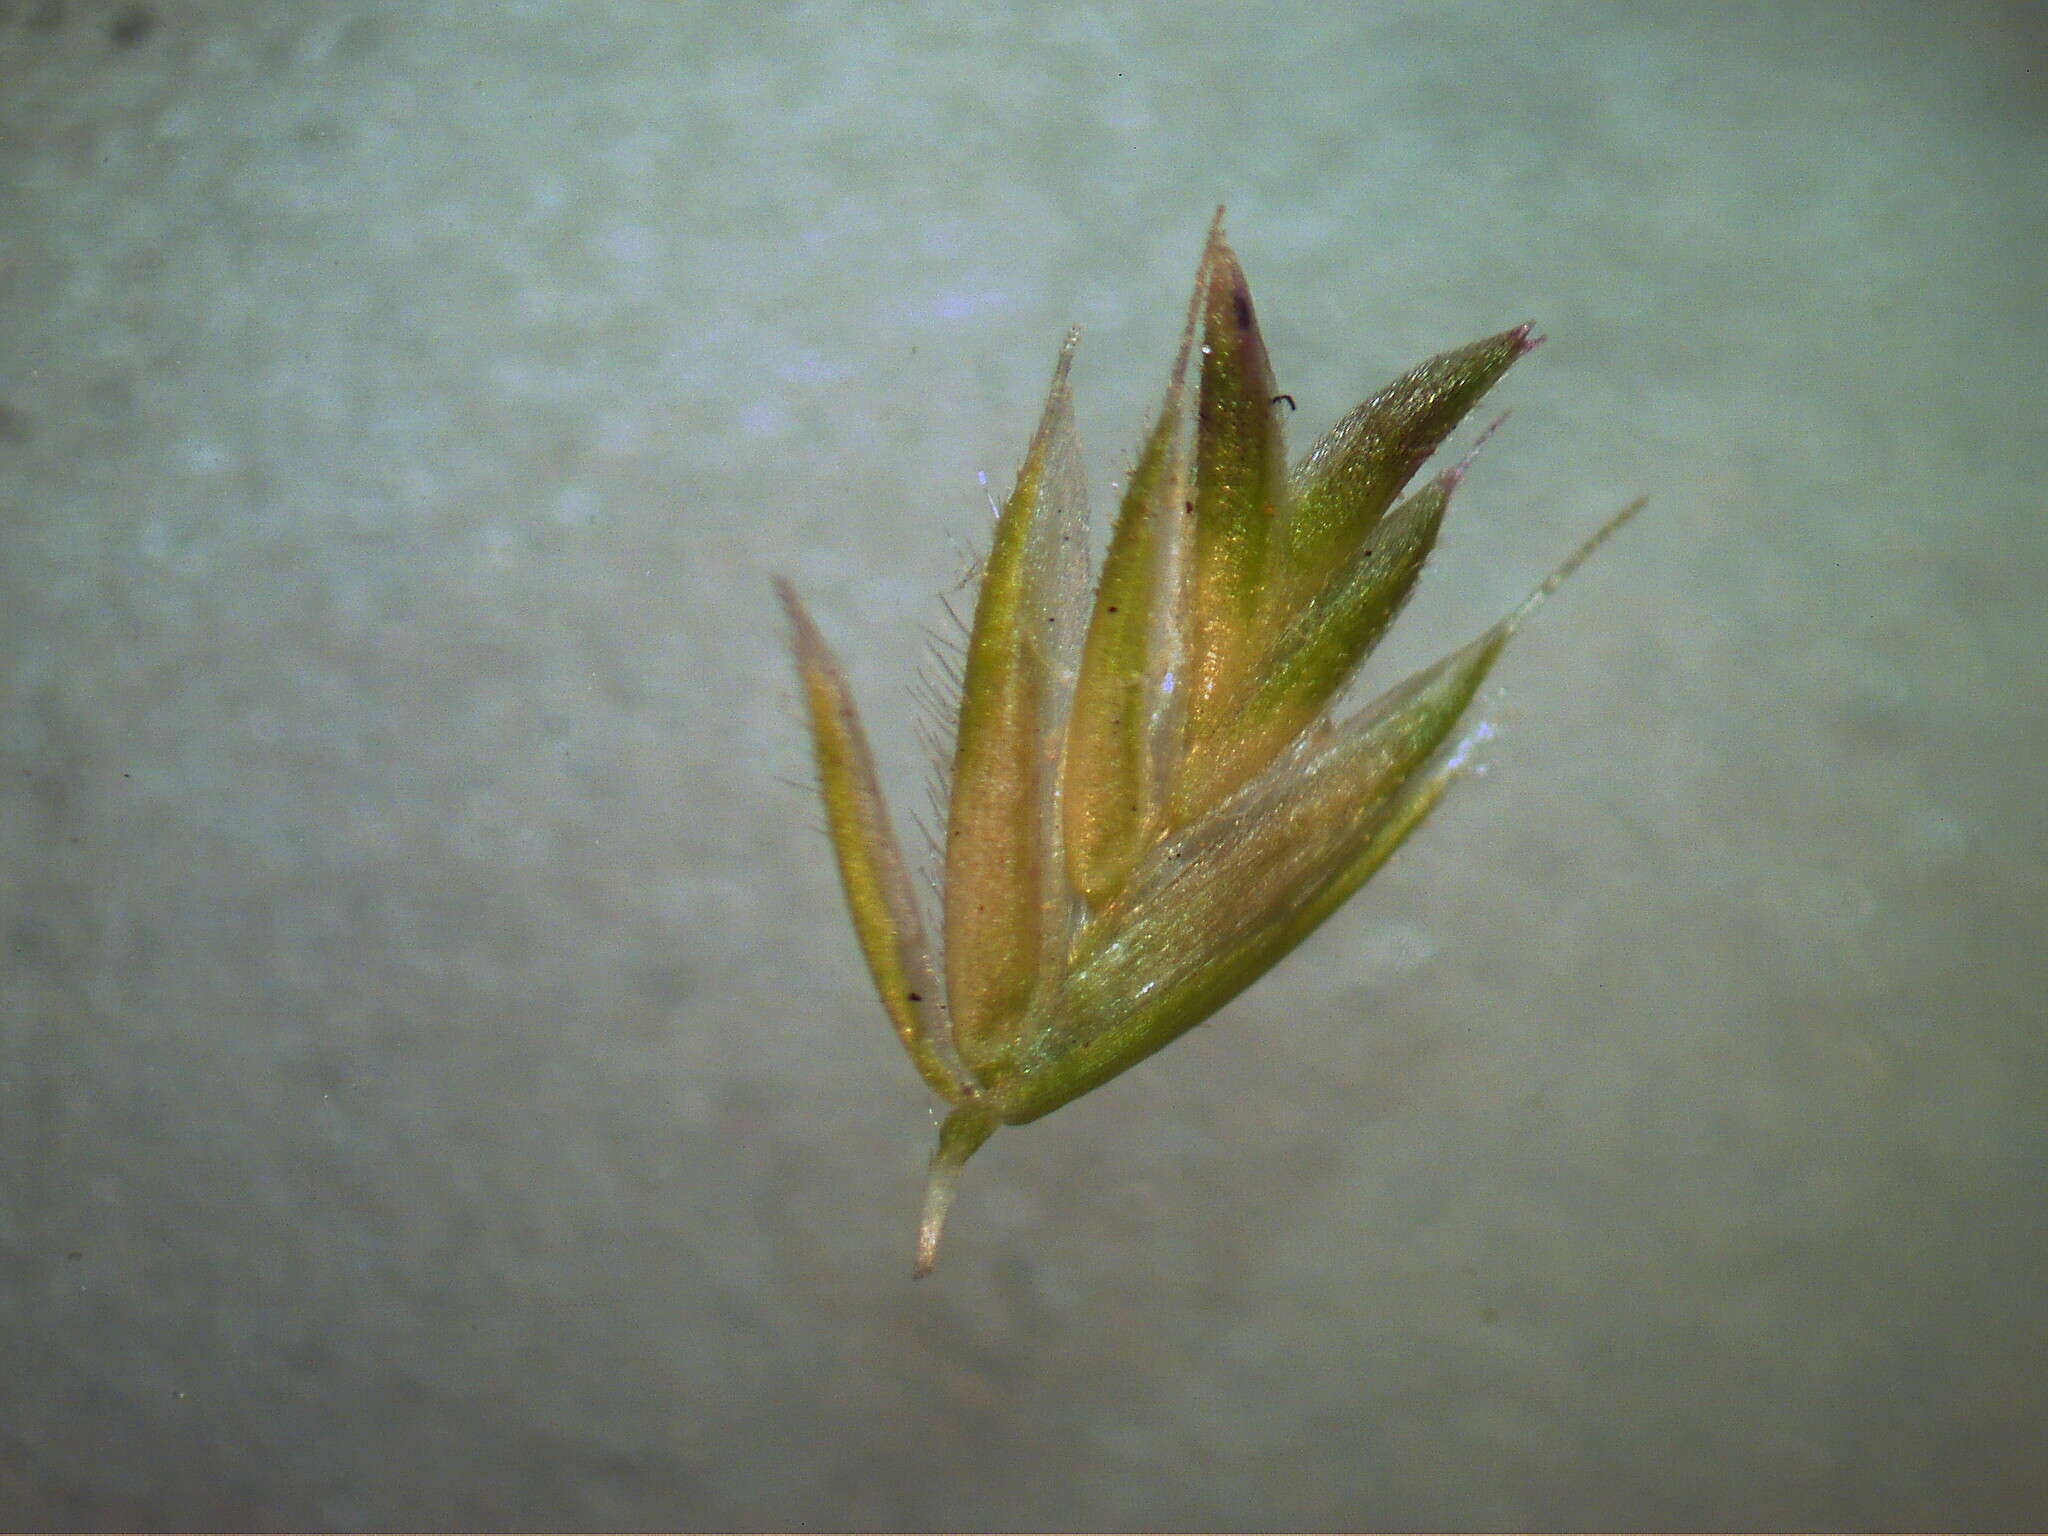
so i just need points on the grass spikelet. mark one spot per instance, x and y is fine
(1151, 798)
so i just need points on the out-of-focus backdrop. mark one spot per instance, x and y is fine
(438, 1086)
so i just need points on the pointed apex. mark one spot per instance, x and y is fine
(1230, 295)
(1187, 334)
(1065, 363)
(1457, 472)
(1218, 259)
(1570, 563)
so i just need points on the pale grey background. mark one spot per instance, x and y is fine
(437, 1082)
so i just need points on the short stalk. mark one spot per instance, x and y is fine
(960, 1137)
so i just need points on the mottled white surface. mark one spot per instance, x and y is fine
(438, 1086)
